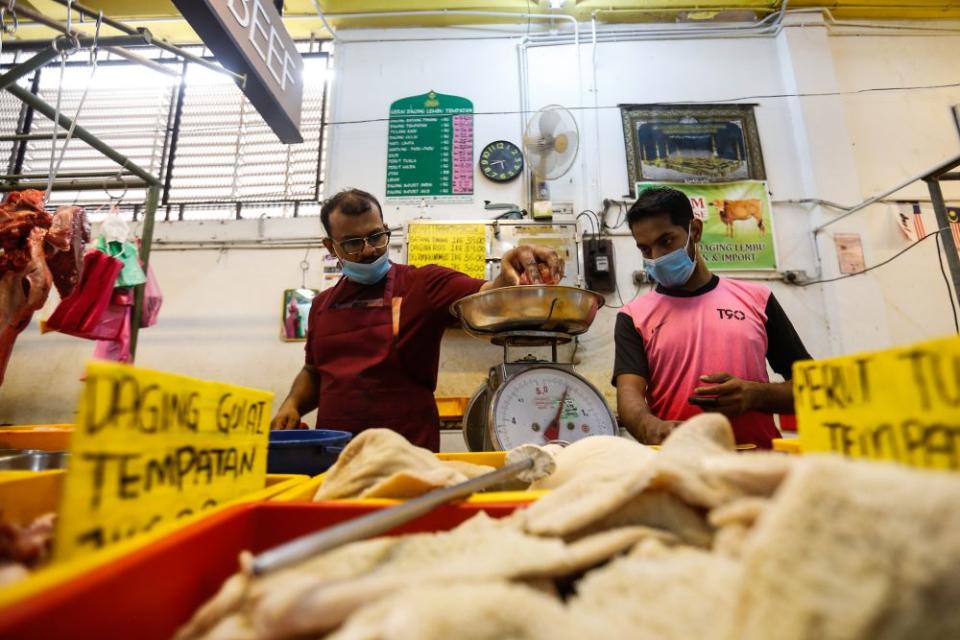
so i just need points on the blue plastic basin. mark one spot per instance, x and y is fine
(306, 451)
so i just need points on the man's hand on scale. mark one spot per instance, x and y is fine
(552, 432)
(528, 264)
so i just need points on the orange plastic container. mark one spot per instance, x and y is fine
(150, 593)
(24, 495)
(47, 437)
(452, 407)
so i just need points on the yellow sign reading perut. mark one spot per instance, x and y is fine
(152, 447)
(462, 247)
(902, 404)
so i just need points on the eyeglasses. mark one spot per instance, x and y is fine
(355, 245)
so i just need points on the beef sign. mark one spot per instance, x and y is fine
(248, 37)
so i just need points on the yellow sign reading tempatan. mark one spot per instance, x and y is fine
(901, 404)
(152, 447)
(462, 247)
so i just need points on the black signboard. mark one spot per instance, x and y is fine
(248, 37)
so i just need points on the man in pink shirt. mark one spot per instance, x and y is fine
(697, 342)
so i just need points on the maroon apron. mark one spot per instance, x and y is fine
(363, 383)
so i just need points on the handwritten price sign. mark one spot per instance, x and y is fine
(462, 247)
(151, 447)
(902, 404)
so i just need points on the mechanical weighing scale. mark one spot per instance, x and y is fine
(529, 400)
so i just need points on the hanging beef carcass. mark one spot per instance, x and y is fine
(36, 250)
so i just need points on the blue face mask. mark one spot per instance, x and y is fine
(672, 270)
(367, 272)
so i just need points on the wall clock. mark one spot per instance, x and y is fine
(501, 161)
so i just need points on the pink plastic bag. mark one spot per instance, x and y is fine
(80, 312)
(112, 319)
(152, 300)
(117, 350)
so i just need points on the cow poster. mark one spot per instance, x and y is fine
(737, 222)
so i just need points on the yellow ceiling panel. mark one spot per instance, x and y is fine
(162, 18)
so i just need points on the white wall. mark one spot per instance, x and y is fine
(220, 315)
(893, 136)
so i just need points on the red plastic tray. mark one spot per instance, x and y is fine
(153, 591)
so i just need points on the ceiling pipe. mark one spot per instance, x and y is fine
(627, 35)
(771, 26)
(597, 156)
(462, 12)
(323, 19)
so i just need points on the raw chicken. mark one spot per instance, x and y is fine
(380, 463)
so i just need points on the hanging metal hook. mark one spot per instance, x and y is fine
(95, 47)
(304, 267)
(119, 198)
(9, 8)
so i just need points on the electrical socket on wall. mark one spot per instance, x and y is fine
(640, 278)
(562, 209)
(798, 276)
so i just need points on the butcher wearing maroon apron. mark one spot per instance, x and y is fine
(377, 350)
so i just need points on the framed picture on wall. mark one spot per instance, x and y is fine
(691, 143)
(296, 310)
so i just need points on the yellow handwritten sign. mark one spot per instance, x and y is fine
(902, 404)
(458, 246)
(152, 447)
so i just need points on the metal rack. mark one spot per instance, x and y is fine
(129, 174)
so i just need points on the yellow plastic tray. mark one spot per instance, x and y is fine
(787, 445)
(304, 492)
(25, 495)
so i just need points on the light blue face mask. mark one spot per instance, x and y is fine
(674, 269)
(367, 272)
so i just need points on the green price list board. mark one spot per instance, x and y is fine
(430, 147)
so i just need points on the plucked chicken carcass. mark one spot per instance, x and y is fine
(37, 250)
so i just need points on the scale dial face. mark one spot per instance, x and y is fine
(527, 409)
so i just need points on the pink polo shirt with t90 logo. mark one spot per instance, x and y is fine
(671, 338)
